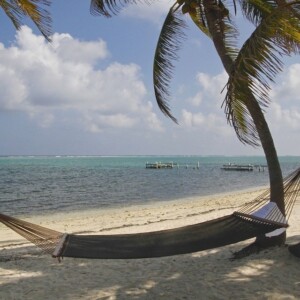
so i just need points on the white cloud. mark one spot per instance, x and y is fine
(154, 12)
(70, 49)
(209, 96)
(75, 82)
(205, 112)
(285, 100)
(42, 79)
(190, 119)
(287, 88)
(209, 122)
(196, 100)
(283, 115)
(13, 91)
(96, 123)
(212, 85)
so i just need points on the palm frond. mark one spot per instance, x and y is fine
(289, 30)
(230, 36)
(257, 64)
(239, 116)
(222, 30)
(256, 10)
(197, 15)
(108, 8)
(12, 11)
(37, 11)
(169, 42)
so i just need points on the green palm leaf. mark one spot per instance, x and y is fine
(12, 10)
(198, 17)
(169, 42)
(256, 10)
(222, 31)
(257, 64)
(230, 36)
(36, 10)
(108, 8)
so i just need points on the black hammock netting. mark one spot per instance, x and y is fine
(260, 216)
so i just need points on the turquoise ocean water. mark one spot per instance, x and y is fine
(38, 185)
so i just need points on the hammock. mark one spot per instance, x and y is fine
(258, 217)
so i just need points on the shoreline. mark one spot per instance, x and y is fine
(26, 273)
(150, 204)
(175, 209)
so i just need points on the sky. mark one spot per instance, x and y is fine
(90, 91)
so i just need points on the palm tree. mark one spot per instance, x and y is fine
(36, 10)
(251, 69)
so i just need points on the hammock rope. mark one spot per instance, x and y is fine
(291, 188)
(260, 216)
(44, 238)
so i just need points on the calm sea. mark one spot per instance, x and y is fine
(30, 185)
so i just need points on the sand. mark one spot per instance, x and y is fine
(26, 273)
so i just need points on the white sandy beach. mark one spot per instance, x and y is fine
(26, 273)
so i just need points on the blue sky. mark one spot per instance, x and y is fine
(90, 91)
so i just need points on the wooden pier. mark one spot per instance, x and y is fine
(247, 167)
(234, 167)
(161, 165)
(226, 167)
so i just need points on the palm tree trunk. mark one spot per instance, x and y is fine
(275, 174)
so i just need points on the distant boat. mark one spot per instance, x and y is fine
(235, 167)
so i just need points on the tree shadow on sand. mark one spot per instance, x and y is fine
(271, 274)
